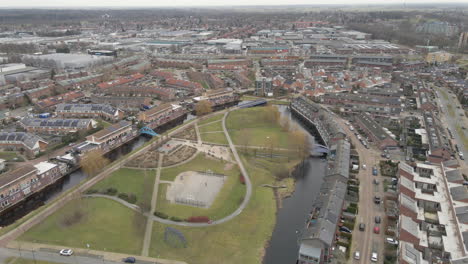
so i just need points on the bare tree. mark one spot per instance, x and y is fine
(203, 107)
(285, 124)
(93, 162)
(300, 144)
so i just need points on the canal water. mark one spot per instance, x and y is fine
(291, 218)
(78, 176)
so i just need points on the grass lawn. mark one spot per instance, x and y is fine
(227, 200)
(278, 102)
(130, 181)
(10, 156)
(104, 123)
(260, 131)
(211, 119)
(240, 240)
(217, 126)
(106, 226)
(199, 163)
(218, 138)
(13, 260)
(249, 98)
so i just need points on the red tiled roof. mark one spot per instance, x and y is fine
(120, 81)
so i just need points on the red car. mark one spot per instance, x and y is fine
(377, 230)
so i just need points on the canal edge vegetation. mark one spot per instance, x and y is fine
(35, 212)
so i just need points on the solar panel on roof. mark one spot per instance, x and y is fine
(74, 123)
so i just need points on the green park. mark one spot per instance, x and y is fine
(269, 148)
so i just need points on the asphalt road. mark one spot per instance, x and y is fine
(51, 257)
(366, 241)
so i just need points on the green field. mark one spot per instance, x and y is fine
(104, 123)
(199, 163)
(106, 226)
(240, 240)
(218, 138)
(137, 182)
(10, 156)
(250, 124)
(13, 260)
(227, 200)
(249, 98)
(278, 102)
(217, 126)
(210, 119)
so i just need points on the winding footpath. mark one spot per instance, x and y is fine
(248, 194)
(61, 200)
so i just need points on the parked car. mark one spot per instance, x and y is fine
(374, 257)
(129, 260)
(377, 219)
(364, 166)
(66, 252)
(345, 229)
(391, 241)
(374, 171)
(377, 199)
(377, 230)
(362, 226)
(357, 255)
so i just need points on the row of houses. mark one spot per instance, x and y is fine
(432, 222)
(322, 121)
(320, 234)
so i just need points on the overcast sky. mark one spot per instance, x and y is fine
(181, 3)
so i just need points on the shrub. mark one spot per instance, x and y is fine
(353, 188)
(161, 215)
(351, 210)
(130, 198)
(91, 191)
(349, 225)
(176, 219)
(198, 219)
(343, 244)
(111, 191)
(347, 235)
(354, 205)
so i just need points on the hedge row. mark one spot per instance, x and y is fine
(192, 219)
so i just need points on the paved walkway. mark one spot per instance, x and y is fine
(149, 222)
(197, 131)
(246, 200)
(61, 200)
(81, 255)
